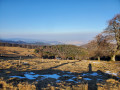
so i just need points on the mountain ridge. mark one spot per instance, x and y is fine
(30, 41)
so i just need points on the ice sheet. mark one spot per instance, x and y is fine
(55, 76)
(87, 79)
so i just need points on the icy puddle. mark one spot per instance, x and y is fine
(33, 76)
(87, 79)
(27, 75)
(90, 74)
(71, 78)
(17, 77)
(65, 76)
(55, 76)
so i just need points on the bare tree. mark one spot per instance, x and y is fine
(113, 30)
(98, 46)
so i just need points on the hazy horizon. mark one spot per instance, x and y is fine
(71, 38)
(68, 21)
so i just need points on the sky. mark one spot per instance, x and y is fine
(68, 21)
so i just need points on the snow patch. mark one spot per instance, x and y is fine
(71, 80)
(94, 74)
(55, 76)
(17, 77)
(109, 72)
(30, 76)
(84, 74)
(31, 73)
(87, 79)
(68, 75)
(90, 74)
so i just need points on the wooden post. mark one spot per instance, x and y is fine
(19, 60)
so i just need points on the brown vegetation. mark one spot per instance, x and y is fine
(62, 67)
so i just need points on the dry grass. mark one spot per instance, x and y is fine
(18, 51)
(20, 86)
(41, 66)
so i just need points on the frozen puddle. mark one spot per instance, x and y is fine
(27, 75)
(33, 76)
(87, 79)
(55, 76)
(17, 77)
(31, 73)
(94, 74)
(90, 74)
(66, 76)
(71, 80)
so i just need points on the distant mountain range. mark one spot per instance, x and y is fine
(30, 41)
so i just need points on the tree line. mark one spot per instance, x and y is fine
(29, 46)
(107, 43)
(61, 52)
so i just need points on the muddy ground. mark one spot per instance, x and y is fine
(61, 74)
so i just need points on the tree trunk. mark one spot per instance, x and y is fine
(98, 58)
(113, 57)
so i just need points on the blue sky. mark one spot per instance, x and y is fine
(60, 20)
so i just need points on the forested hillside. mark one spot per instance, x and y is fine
(61, 52)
